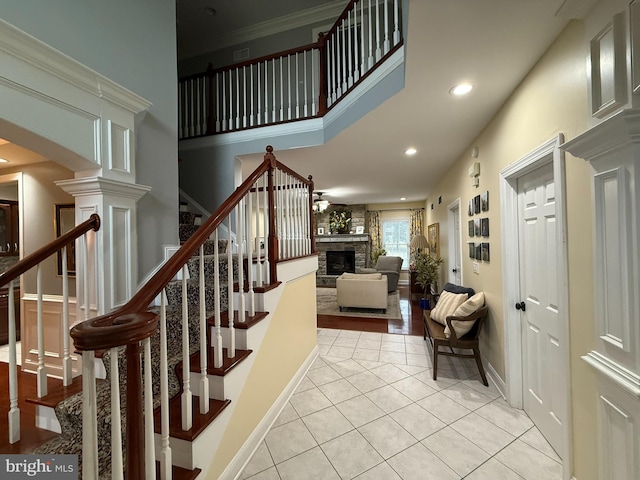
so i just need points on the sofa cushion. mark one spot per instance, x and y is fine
(467, 308)
(447, 304)
(361, 276)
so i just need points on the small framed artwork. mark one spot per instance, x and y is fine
(476, 227)
(359, 230)
(471, 228)
(484, 201)
(471, 207)
(485, 252)
(484, 227)
(472, 250)
(259, 244)
(434, 239)
(320, 231)
(478, 251)
(476, 204)
(65, 220)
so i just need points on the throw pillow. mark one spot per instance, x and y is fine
(447, 304)
(467, 308)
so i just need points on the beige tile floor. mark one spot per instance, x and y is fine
(369, 409)
(4, 353)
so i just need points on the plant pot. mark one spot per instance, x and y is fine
(425, 304)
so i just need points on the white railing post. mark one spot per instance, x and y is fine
(250, 245)
(377, 24)
(396, 25)
(386, 28)
(149, 434)
(370, 37)
(241, 242)
(117, 465)
(165, 448)
(14, 409)
(42, 369)
(89, 412)
(67, 374)
(204, 381)
(231, 348)
(217, 338)
(186, 398)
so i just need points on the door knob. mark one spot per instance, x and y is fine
(521, 306)
(454, 270)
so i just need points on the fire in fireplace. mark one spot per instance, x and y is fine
(341, 261)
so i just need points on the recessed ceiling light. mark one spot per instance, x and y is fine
(402, 199)
(4, 160)
(461, 89)
(410, 151)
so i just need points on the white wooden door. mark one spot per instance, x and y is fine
(455, 257)
(542, 356)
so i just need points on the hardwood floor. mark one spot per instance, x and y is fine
(410, 324)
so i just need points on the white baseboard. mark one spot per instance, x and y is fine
(240, 461)
(496, 379)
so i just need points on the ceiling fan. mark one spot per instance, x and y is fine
(319, 205)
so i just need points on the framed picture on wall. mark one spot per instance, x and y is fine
(485, 252)
(471, 229)
(63, 221)
(476, 227)
(359, 230)
(472, 250)
(434, 240)
(484, 201)
(471, 207)
(320, 231)
(478, 251)
(484, 227)
(476, 204)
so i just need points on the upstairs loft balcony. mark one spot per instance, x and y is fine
(303, 83)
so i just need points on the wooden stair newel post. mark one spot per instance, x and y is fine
(135, 456)
(273, 238)
(322, 81)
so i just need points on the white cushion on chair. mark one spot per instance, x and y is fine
(467, 308)
(447, 304)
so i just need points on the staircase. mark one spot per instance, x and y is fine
(194, 355)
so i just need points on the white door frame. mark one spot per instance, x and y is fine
(549, 152)
(452, 206)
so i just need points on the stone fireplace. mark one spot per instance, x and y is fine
(340, 253)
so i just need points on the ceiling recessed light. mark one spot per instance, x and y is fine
(461, 89)
(402, 199)
(410, 151)
(4, 160)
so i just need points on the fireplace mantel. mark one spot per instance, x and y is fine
(343, 238)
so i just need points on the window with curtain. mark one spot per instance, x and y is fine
(396, 238)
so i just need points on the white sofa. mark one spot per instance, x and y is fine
(367, 290)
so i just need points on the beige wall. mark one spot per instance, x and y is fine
(552, 99)
(287, 344)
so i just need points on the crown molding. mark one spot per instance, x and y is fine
(328, 11)
(21, 45)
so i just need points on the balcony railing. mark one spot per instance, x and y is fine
(297, 84)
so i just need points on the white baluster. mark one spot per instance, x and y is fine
(260, 236)
(165, 448)
(244, 96)
(204, 381)
(217, 339)
(252, 109)
(330, 73)
(350, 59)
(180, 111)
(396, 24)
(288, 86)
(377, 24)
(232, 125)
(386, 28)
(218, 101)
(14, 409)
(192, 119)
(259, 96)
(363, 65)
(197, 108)
(149, 443)
(186, 398)
(42, 369)
(265, 222)
(67, 373)
(231, 348)
(297, 88)
(241, 240)
(237, 98)
(305, 83)
(370, 36)
(266, 92)
(281, 81)
(344, 58)
(339, 64)
(117, 465)
(356, 47)
(89, 412)
(313, 83)
(273, 79)
(250, 217)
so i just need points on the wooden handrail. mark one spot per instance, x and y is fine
(30, 261)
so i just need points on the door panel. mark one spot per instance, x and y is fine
(542, 355)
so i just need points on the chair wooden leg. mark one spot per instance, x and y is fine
(476, 354)
(435, 360)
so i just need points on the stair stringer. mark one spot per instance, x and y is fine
(200, 452)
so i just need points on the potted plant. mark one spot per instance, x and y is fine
(428, 271)
(339, 221)
(377, 252)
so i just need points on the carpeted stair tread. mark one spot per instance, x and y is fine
(185, 231)
(173, 292)
(187, 218)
